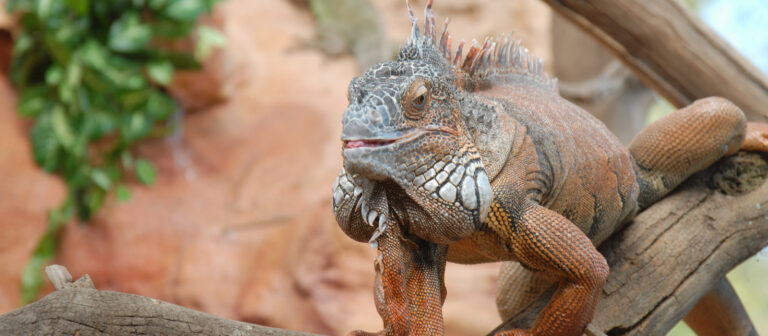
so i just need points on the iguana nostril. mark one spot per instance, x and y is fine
(374, 116)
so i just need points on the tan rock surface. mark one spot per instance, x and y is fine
(239, 223)
(26, 194)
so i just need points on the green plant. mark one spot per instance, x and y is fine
(92, 74)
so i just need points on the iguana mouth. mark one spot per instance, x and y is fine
(367, 143)
(408, 136)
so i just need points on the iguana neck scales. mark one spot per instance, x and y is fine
(476, 158)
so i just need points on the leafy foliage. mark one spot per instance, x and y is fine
(92, 76)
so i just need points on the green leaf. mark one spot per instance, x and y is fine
(94, 199)
(66, 93)
(32, 276)
(44, 8)
(138, 125)
(33, 101)
(93, 54)
(58, 50)
(160, 106)
(123, 193)
(59, 216)
(92, 82)
(180, 61)
(145, 171)
(101, 179)
(157, 4)
(208, 39)
(74, 74)
(24, 42)
(126, 159)
(53, 75)
(32, 279)
(45, 148)
(19, 6)
(79, 6)
(185, 10)
(98, 124)
(160, 71)
(61, 127)
(128, 34)
(171, 29)
(210, 3)
(131, 100)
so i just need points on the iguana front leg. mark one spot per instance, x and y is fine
(545, 241)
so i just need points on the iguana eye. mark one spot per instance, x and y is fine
(420, 97)
(419, 100)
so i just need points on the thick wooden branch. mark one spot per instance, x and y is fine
(79, 309)
(671, 50)
(673, 253)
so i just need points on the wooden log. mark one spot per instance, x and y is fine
(77, 308)
(671, 50)
(674, 252)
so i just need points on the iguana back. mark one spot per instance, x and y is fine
(578, 167)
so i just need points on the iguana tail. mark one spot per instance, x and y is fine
(720, 312)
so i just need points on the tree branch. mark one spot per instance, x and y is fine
(611, 81)
(671, 50)
(76, 308)
(673, 253)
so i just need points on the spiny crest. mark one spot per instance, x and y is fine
(498, 56)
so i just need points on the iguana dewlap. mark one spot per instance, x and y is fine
(476, 158)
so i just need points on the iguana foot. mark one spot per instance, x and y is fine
(756, 138)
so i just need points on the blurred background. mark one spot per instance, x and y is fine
(185, 150)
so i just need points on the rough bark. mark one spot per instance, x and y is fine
(76, 308)
(673, 253)
(671, 50)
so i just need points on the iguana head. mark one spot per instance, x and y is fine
(407, 122)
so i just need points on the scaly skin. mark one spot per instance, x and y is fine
(476, 158)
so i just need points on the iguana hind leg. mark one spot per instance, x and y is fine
(678, 145)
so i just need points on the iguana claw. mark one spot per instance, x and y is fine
(379, 230)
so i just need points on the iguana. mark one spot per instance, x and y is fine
(474, 158)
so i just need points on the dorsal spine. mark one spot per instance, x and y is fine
(499, 56)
